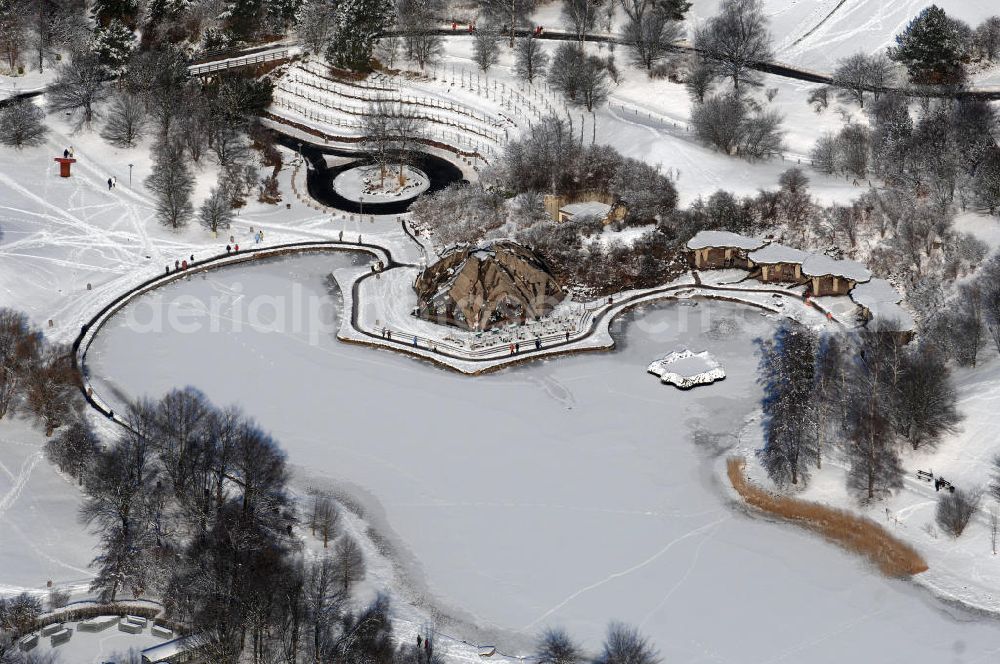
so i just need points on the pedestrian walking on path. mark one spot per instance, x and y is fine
(114, 180)
(110, 184)
(229, 249)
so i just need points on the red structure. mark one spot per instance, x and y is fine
(64, 166)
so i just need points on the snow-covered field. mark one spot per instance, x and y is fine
(582, 473)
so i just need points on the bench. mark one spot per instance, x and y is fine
(98, 624)
(925, 476)
(28, 642)
(125, 625)
(138, 620)
(161, 631)
(62, 636)
(49, 630)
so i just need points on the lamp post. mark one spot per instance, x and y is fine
(130, 176)
(361, 212)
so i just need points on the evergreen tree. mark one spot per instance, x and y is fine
(113, 45)
(358, 24)
(787, 374)
(933, 47)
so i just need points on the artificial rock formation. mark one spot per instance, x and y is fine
(485, 287)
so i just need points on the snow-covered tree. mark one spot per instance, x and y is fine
(358, 25)
(316, 24)
(987, 38)
(172, 183)
(932, 47)
(22, 124)
(530, 59)
(13, 32)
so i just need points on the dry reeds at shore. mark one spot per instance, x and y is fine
(855, 533)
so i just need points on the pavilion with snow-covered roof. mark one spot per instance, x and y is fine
(829, 276)
(778, 263)
(719, 249)
(879, 301)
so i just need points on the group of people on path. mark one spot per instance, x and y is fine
(68, 153)
(180, 265)
(112, 182)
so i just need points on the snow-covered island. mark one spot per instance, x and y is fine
(686, 369)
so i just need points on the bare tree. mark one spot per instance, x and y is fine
(324, 518)
(418, 19)
(955, 510)
(216, 212)
(581, 16)
(624, 645)
(581, 78)
(172, 183)
(126, 119)
(22, 124)
(486, 48)
(699, 80)
(650, 35)
(316, 25)
(79, 86)
(737, 39)
(378, 128)
(350, 563)
(530, 60)
(74, 449)
(555, 646)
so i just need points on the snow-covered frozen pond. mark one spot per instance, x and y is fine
(569, 492)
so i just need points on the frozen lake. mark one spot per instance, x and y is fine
(570, 492)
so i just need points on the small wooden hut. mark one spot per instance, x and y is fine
(778, 263)
(828, 276)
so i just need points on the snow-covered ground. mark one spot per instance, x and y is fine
(581, 472)
(40, 538)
